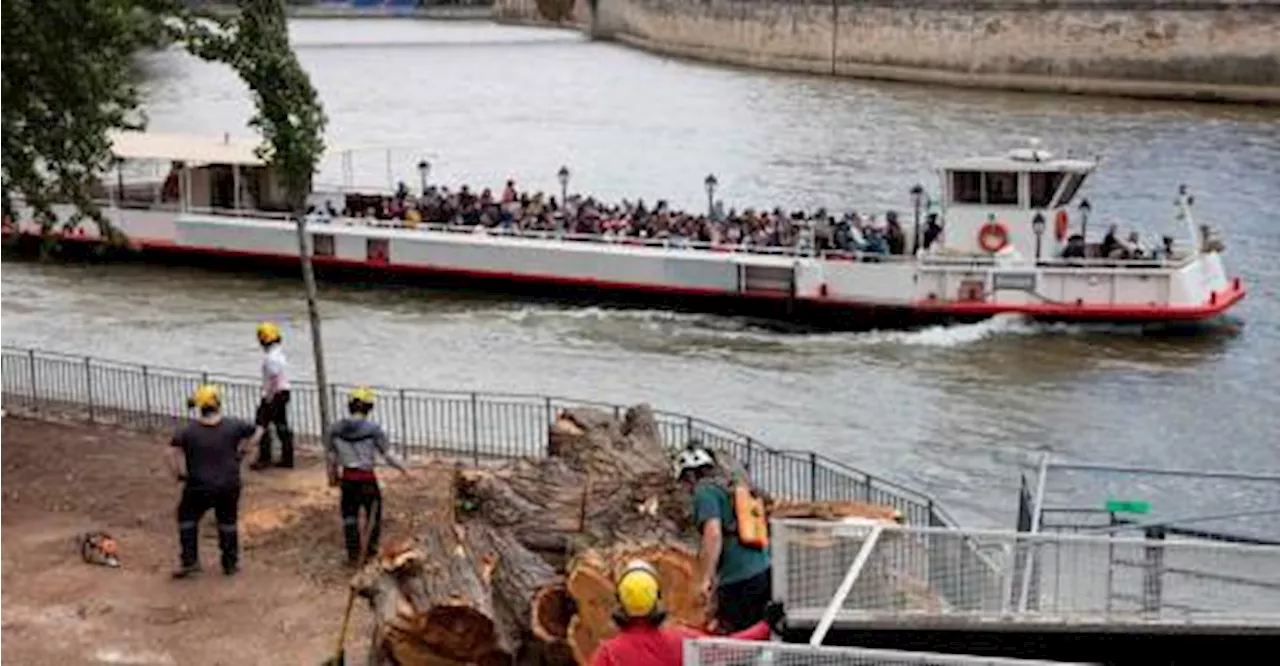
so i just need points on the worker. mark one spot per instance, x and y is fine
(641, 639)
(273, 408)
(352, 446)
(736, 570)
(205, 457)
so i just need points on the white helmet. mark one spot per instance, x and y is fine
(695, 456)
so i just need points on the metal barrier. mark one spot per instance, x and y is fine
(465, 424)
(1113, 499)
(908, 573)
(727, 652)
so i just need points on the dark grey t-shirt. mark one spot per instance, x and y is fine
(213, 462)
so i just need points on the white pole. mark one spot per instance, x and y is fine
(846, 586)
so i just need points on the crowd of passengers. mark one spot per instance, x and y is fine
(513, 212)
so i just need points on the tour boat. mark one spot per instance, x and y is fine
(1005, 224)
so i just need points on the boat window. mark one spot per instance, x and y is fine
(1074, 181)
(1044, 184)
(966, 187)
(1001, 188)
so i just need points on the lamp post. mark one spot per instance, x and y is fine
(710, 183)
(563, 176)
(1085, 207)
(1037, 227)
(917, 202)
(424, 170)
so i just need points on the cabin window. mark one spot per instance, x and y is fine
(378, 250)
(966, 187)
(1074, 181)
(322, 245)
(1000, 188)
(1044, 184)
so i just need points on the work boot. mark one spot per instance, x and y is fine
(259, 465)
(186, 571)
(229, 544)
(230, 569)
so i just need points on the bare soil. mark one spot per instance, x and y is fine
(284, 607)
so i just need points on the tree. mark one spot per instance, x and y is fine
(67, 81)
(255, 43)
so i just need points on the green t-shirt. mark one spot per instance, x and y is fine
(737, 562)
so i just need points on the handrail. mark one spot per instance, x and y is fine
(927, 261)
(432, 419)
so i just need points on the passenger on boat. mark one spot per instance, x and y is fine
(1110, 247)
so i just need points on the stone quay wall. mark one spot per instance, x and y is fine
(1213, 50)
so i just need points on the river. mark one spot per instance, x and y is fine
(956, 411)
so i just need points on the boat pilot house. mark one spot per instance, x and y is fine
(1017, 204)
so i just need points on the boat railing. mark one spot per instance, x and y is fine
(940, 260)
(471, 425)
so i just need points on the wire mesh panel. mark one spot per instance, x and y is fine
(728, 652)
(929, 572)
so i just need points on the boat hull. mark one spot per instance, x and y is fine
(772, 309)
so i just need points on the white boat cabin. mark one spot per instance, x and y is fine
(1017, 205)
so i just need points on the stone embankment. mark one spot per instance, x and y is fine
(1213, 50)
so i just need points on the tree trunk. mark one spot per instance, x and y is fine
(591, 585)
(436, 599)
(313, 312)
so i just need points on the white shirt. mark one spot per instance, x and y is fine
(275, 368)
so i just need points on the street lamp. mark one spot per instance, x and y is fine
(1085, 207)
(424, 170)
(563, 176)
(917, 202)
(710, 183)
(1037, 227)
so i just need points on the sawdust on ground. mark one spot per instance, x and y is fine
(285, 606)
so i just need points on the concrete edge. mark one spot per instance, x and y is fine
(1162, 90)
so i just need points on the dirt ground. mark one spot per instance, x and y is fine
(284, 607)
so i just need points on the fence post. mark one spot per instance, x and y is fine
(1153, 571)
(146, 396)
(813, 476)
(688, 429)
(204, 377)
(751, 451)
(550, 414)
(404, 425)
(35, 384)
(475, 428)
(88, 386)
(868, 497)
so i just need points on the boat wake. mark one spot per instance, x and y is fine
(676, 330)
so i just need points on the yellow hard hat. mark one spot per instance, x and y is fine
(206, 396)
(639, 589)
(268, 333)
(363, 394)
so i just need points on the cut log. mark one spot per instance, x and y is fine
(591, 584)
(834, 511)
(432, 598)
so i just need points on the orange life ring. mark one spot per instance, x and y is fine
(993, 236)
(1060, 225)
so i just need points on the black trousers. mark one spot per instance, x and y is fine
(740, 605)
(358, 495)
(195, 502)
(275, 412)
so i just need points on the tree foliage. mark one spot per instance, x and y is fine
(68, 81)
(255, 43)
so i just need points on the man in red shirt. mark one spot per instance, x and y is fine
(641, 638)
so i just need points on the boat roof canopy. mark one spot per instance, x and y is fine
(134, 145)
(1022, 159)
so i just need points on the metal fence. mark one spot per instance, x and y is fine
(923, 573)
(1112, 499)
(728, 652)
(466, 424)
